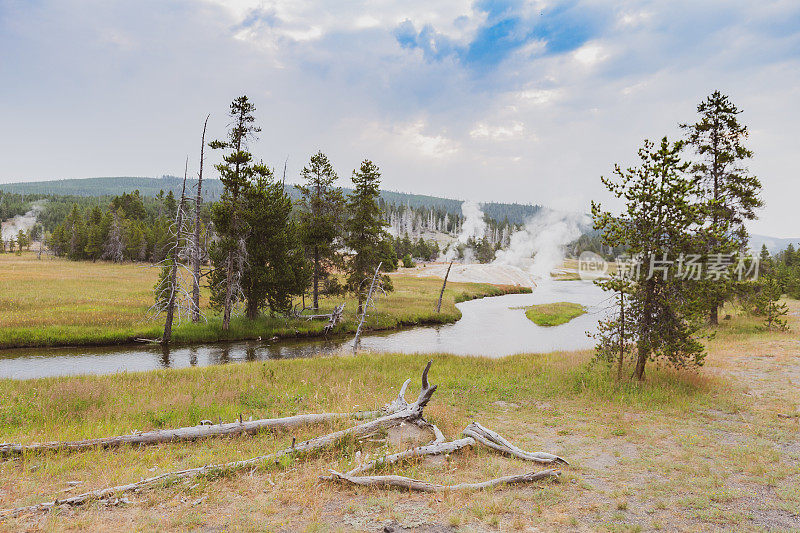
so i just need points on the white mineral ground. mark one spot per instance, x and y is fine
(475, 273)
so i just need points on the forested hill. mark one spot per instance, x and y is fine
(212, 188)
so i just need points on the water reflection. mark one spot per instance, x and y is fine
(489, 327)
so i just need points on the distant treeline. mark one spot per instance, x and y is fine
(12, 204)
(785, 268)
(212, 189)
(128, 227)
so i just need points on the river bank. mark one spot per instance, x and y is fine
(55, 302)
(686, 450)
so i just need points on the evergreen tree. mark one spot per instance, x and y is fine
(321, 206)
(275, 270)
(768, 304)
(229, 253)
(731, 194)
(660, 220)
(365, 236)
(22, 240)
(95, 237)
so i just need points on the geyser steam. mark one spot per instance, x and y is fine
(12, 226)
(543, 238)
(473, 226)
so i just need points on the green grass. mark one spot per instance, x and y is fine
(553, 314)
(56, 302)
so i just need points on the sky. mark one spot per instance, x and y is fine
(488, 100)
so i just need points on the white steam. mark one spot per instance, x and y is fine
(543, 238)
(12, 226)
(473, 226)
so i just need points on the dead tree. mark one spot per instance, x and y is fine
(205, 429)
(336, 316)
(367, 303)
(196, 248)
(395, 413)
(444, 284)
(170, 292)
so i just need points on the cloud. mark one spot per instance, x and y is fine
(527, 101)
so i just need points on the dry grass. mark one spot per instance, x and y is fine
(52, 302)
(687, 450)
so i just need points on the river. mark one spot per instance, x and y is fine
(489, 327)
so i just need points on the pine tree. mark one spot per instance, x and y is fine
(95, 238)
(731, 194)
(321, 206)
(659, 220)
(229, 252)
(275, 270)
(365, 236)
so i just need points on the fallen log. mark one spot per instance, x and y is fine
(474, 433)
(423, 486)
(200, 431)
(420, 451)
(493, 440)
(400, 412)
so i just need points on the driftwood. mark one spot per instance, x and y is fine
(489, 438)
(200, 431)
(424, 486)
(474, 433)
(335, 318)
(437, 448)
(395, 413)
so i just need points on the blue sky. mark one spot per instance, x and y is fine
(486, 100)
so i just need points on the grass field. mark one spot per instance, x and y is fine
(553, 314)
(692, 451)
(52, 302)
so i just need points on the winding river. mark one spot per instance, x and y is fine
(493, 327)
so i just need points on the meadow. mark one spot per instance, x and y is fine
(715, 448)
(553, 314)
(57, 302)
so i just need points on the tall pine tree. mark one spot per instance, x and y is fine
(365, 236)
(730, 193)
(659, 225)
(229, 252)
(321, 206)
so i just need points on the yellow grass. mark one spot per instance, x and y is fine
(54, 301)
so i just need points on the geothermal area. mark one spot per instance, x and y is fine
(534, 252)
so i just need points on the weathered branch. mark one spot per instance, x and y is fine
(180, 434)
(424, 486)
(420, 451)
(411, 413)
(444, 284)
(493, 440)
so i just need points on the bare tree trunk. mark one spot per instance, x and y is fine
(365, 307)
(204, 430)
(196, 254)
(174, 267)
(316, 277)
(423, 486)
(226, 313)
(397, 412)
(444, 284)
(621, 334)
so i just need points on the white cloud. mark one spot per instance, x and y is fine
(590, 54)
(513, 130)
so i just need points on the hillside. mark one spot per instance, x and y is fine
(212, 188)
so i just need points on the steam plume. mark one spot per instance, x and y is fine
(473, 226)
(12, 226)
(543, 238)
